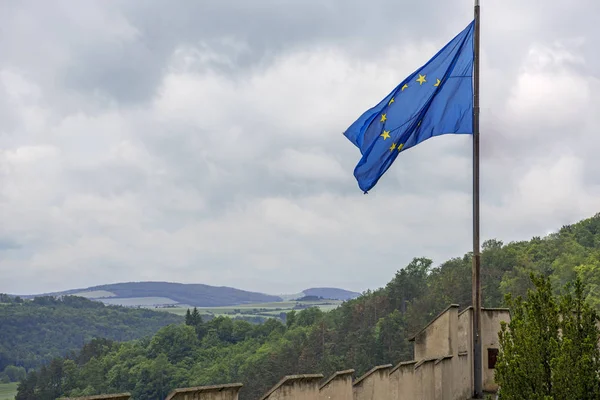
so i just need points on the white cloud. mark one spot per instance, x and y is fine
(308, 165)
(549, 92)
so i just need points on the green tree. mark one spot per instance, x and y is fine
(188, 317)
(195, 317)
(14, 374)
(175, 341)
(26, 390)
(549, 348)
(577, 364)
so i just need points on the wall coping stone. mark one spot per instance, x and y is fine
(439, 360)
(292, 378)
(413, 337)
(402, 364)
(117, 396)
(199, 389)
(486, 309)
(424, 361)
(360, 380)
(335, 375)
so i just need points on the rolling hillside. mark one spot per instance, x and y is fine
(166, 294)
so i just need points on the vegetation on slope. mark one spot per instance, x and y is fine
(549, 350)
(34, 332)
(331, 293)
(363, 332)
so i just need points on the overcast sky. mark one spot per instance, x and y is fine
(201, 141)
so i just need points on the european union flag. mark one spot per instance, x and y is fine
(435, 100)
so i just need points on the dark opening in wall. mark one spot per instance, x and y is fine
(492, 357)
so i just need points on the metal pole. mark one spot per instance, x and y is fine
(476, 273)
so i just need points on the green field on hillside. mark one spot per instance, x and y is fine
(8, 391)
(265, 310)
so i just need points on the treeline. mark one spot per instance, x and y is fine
(370, 330)
(33, 332)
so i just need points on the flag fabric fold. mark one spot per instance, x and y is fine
(435, 100)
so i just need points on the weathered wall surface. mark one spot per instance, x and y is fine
(295, 387)
(373, 385)
(439, 337)
(425, 379)
(463, 377)
(402, 381)
(463, 372)
(445, 383)
(216, 392)
(337, 387)
(490, 326)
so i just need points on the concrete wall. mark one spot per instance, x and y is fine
(216, 392)
(295, 387)
(464, 371)
(425, 379)
(490, 326)
(463, 376)
(374, 385)
(445, 384)
(120, 396)
(439, 337)
(337, 387)
(402, 381)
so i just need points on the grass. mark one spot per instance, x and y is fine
(94, 294)
(8, 391)
(259, 309)
(134, 301)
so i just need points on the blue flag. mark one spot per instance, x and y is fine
(435, 100)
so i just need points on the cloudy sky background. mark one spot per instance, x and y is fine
(200, 141)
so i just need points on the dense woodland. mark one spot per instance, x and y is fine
(363, 332)
(34, 332)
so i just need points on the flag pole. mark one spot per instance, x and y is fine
(476, 272)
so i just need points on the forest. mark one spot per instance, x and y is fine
(369, 330)
(33, 332)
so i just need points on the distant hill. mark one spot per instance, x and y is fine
(166, 293)
(331, 293)
(161, 294)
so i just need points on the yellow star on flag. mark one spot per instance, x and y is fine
(400, 146)
(385, 135)
(393, 146)
(421, 79)
(404, 87)
(383, 118)
(437, 83)
(391, 101)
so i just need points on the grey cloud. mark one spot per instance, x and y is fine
(202, 141)
(8, 244)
